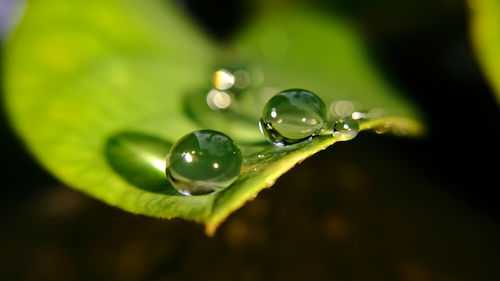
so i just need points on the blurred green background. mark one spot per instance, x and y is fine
(375, 208)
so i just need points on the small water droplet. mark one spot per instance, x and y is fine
(203, 162)
(270, 182)
(345, 128)
(382, 129)
(291, 116)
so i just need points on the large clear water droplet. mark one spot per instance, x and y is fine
(345, 128)
(203, 162)
(292, 115)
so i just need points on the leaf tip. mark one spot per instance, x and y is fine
(211, 228)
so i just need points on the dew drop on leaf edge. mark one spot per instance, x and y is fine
(203, 162)
(291, 116)
(345, 128)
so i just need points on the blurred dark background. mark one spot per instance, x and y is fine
(375, 208)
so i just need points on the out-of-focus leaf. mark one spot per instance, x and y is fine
(485, 33)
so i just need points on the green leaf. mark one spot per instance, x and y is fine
(485, 33)
(99, 91)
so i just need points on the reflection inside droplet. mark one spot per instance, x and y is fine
(188, 157)
(273, 113)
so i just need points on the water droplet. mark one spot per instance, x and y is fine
(292, 115)
(203, 162)
(382, 129)
(345, 128)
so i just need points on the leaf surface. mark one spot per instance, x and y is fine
(100, 90)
